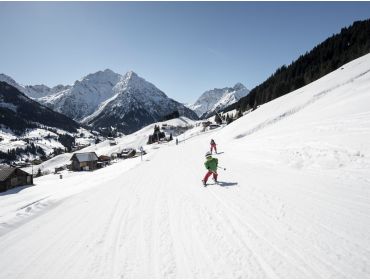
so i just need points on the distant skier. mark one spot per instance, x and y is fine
(211, 165)
(141, 152)
(177, 141)
(213, 146)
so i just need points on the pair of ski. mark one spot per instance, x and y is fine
(205, 184)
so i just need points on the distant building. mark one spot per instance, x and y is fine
(127, 153)
(84, 161)
(11, 177)
(103, 161)
(206, 123)
(114, 155)
(213, 126)
(112, 142)
(104, 158)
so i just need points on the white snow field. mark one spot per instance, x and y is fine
(293, 202)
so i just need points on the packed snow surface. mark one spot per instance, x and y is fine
(293, 202)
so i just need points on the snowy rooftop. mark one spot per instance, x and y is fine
(82, 157)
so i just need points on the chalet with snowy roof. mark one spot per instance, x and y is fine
(103, 161)
(104, 158)
(84, 161)
(11, 177)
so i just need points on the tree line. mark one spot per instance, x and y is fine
(351, 43)
(12, 154)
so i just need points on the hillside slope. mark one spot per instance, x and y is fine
(294, 201)
(18, 112)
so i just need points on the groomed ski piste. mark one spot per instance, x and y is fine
(293, 202)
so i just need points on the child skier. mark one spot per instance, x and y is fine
(211, 165)
(213, 146)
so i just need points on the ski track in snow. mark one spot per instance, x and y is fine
(152, 227)
(288, 208)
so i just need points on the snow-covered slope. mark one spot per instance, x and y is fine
(134, 140)
(26, 126)
(217, 99)
(293, 202)
(45, 138)
(41, 91)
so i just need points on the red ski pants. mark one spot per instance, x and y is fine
(209, 173)
(213, 147)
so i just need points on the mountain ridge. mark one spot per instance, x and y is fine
(99, 99)
(19, 112)
(217, 99)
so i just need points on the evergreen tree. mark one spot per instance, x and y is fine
(255, 105)
(228, 119)
(239, 113)
(67, 141)
(218, 119)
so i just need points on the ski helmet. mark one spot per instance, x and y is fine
(208, 154)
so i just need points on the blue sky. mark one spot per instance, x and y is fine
(184, 48)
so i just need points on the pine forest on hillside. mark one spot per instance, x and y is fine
(349, 44)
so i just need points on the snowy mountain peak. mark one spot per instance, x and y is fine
(217, 99)
(106, 99)
(132, 78)
(100, 76)
(137, 103)
(108, 71)
(35, 91)
(7, 79)
(59, 88)
(131, 74)
(11, 81)
(132, 82)
(239, 86)
(85, 96)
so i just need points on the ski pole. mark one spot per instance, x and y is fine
(221, 167)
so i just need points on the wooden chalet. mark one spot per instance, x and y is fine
(127, 153)
(11, 177)
(104, 158)
(206, 123)
(84, 161)
(103, 161)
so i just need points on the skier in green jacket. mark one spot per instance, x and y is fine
(211, 165)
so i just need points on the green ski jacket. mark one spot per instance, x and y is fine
(211, 164)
